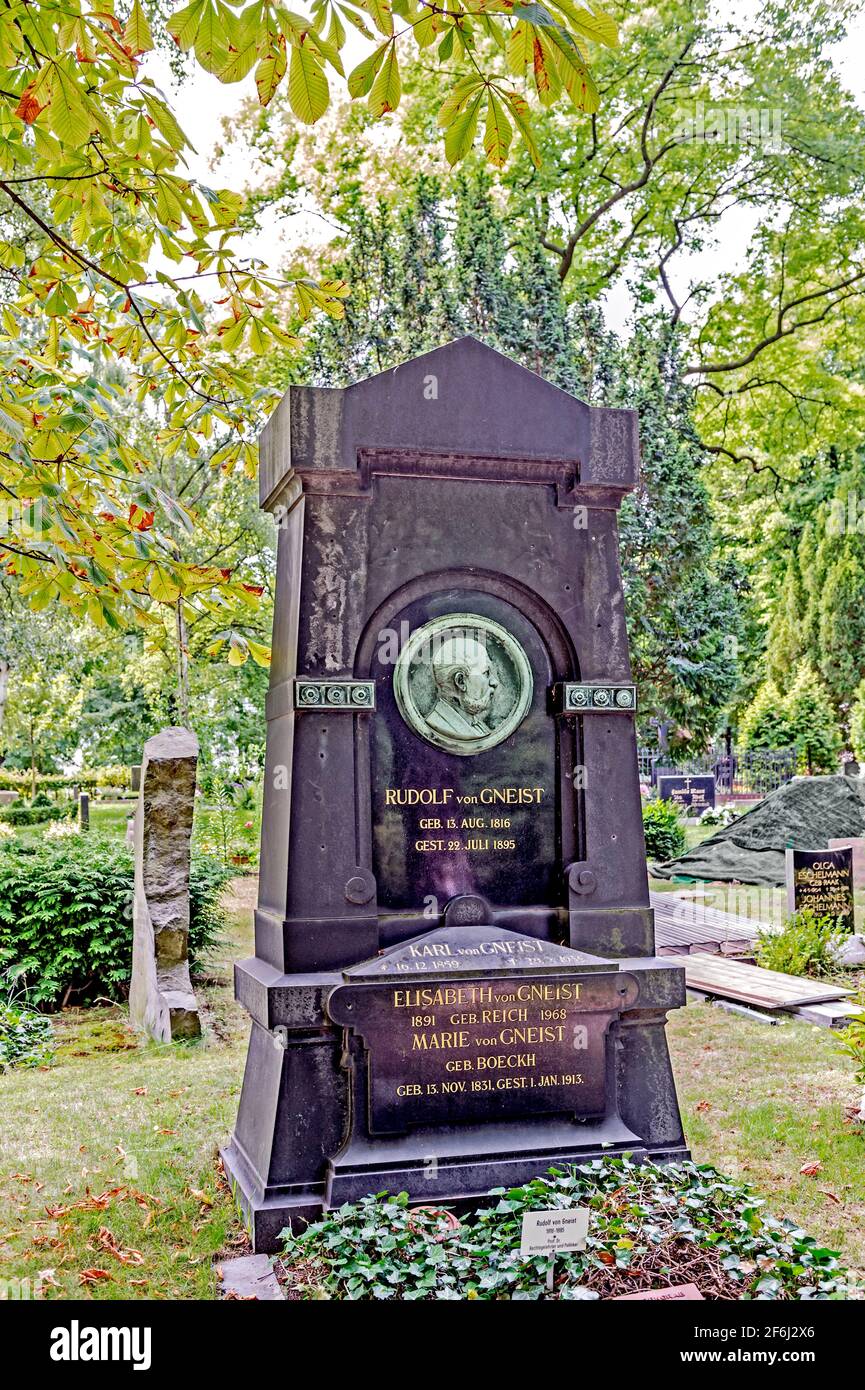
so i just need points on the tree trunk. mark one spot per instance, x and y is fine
(32, 762)
(4, 691)
(182, 668)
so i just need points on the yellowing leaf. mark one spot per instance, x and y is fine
(379, 12)
(162, 587)
(519, 109)
(270, 73)
(498, 133)
(519, 50)
(137, 32)
(260, 654)
(361, 78)
(387, 88)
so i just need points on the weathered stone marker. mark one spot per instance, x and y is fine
(161, 1000)
(454, 984)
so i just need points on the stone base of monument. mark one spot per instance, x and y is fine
(466, 1059)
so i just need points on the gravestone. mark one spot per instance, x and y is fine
(84, 810)
(161, 1000)
(822, 881)
(692, 794)
(454, 983)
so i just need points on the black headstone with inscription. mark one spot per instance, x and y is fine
(822, 881)
(454, 982)
(694, 794)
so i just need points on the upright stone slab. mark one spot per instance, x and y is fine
(454, 982)
(161, 1000)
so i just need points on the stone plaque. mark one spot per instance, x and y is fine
(444, 1046)
(821, 880)
(694, 794)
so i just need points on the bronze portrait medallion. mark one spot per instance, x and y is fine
(463, 683)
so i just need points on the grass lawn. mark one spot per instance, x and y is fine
(108, 1174)
(110, 817)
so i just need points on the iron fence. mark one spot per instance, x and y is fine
(754, 772)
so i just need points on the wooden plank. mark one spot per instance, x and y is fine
(716, 925)
(682, 926)
(766, 989)
(835, 1014)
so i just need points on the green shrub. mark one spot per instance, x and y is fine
(803, 946)
(379, 1248)
(664, 831)
(66, 915)
(37, 813)
(26, 1037)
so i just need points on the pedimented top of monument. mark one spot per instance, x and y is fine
(475, 950)
(461, 400)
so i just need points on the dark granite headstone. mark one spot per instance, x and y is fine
(692, 794)
(822, 881)
(454, 983)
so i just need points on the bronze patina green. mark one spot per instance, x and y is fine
(463, 683)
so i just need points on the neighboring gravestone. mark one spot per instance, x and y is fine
(454, 984)
(161, 1000)
(692, 794)
(84, 811)
(821, 880)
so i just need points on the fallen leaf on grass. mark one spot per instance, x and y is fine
(108, 1242)
(200, 1196)
(703, 1105)
(93, 1276)
(811, 1169)
(140, 1091)
(830, 1195)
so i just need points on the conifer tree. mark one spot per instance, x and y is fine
(765, 722)
(813, 727)
(784, 640)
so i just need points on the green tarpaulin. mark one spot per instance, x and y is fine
(805, 813)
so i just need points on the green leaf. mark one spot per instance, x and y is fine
(461, 132)
(457, 99)
(519, 50)
(361, 78)
(308, 92)
(519, 109)
(137, 32)
(498, 133)
(166, 122)
(67, 115)
(183, 25)
(379, 11)
(599, 26)
(270, 73)
(387, 88)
